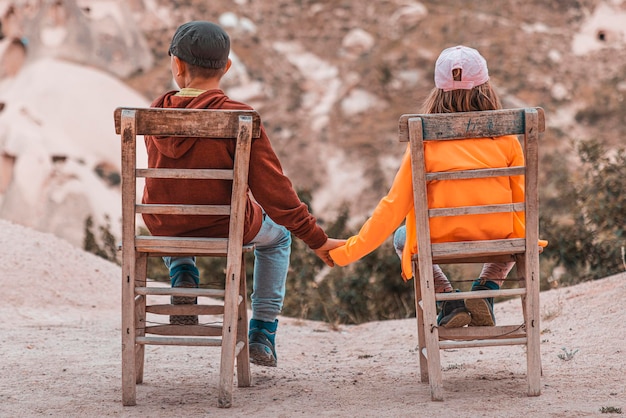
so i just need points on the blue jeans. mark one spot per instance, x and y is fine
(272, 252)
(440, 280)
(271, 263)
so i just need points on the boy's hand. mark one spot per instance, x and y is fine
(323, 251)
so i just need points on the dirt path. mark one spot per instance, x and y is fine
(60, 355)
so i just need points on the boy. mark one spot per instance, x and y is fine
(199, 59)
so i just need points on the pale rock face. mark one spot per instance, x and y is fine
(357, 42)
(360, 101)
(559, 91)
(409, 14)
(604, 28)
(101, 34)
(322, 84)
(56, 130)
(239, 86)
(231, 21)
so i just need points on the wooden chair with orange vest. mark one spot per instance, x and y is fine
(417, 129)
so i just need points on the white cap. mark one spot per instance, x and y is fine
(473, 68)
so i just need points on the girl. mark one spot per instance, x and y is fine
(461, 85)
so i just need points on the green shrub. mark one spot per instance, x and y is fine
(587, 233)
(104, 245)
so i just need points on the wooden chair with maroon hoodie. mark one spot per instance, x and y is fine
(420, 128)
(138, 293)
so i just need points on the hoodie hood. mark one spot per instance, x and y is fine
(176, 147)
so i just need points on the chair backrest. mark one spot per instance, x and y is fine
(419, 128)
(240, 125)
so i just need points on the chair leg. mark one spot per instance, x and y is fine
(141, 270)
(129, 392)
(419, 314)
(229, 334)
(531, 320)
(243, 357)
(431, 332)
(431, 338)
(533, 350)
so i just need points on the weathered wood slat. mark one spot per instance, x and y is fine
(478, 248)
(191, 341)
(450, 345)
(475, 333)
(479, 294)
(477, 210)
(176, 245)
(473, 174)
(185, 330)
(223, 210)
(190, 122)
(179, 291)
(185, 309)
(163, 251)
(447, 126)
(491, 258)
(182, 173)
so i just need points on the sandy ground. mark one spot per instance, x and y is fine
(60, 354)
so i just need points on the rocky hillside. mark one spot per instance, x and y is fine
(331, 78)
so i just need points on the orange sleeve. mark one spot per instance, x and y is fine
(386, 218)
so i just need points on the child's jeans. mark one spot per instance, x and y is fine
(272, 252)
(495, 272)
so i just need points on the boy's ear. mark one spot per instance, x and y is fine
(228, 64)
(181, 66)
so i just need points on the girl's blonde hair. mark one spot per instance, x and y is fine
(482, 97)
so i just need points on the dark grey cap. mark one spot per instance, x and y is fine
(201, 43)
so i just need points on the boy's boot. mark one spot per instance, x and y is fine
(452, 314)
(261, 336)
(481, 310)
(185, 275)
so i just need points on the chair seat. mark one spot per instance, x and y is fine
(184, 245)
(475, 250)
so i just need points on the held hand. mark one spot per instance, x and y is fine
(323, 251)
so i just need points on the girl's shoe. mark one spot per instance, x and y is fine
(481, 310)
(453, 314)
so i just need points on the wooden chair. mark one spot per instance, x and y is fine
(524, 251)
(232, 335)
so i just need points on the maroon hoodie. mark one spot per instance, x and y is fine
(270, 187)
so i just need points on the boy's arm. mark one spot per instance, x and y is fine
(275, 193)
